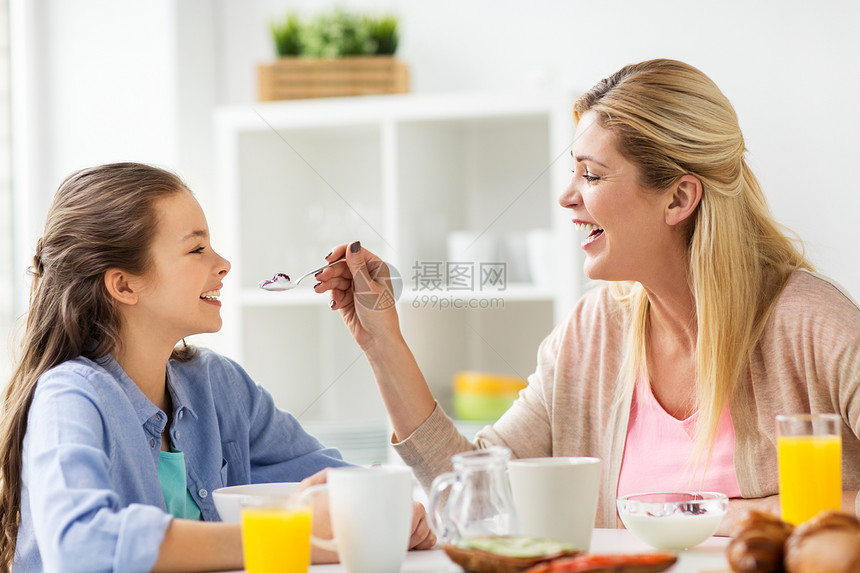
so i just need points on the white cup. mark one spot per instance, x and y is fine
(556, 498)
(371, 516)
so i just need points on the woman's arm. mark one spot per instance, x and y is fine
(356, 289)
(404, 390)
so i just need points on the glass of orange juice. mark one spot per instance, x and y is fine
(276, 535)
(809, 449)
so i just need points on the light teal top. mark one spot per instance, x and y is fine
(171, 474)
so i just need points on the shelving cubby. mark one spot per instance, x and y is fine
(421, 180)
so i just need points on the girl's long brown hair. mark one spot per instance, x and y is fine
(101, 218)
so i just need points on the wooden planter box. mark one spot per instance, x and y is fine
(298, 78)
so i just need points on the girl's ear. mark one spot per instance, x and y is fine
(686, 193)
(120, 287)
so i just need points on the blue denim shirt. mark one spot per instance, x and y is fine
(90, 496)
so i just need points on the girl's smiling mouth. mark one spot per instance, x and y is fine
(211, 296)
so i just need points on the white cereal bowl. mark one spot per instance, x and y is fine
(673, 520)
(228, 500)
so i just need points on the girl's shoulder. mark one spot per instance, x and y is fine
(79, 383)
(207, 371)
(205, 362)
(79, 372)
(215, 386)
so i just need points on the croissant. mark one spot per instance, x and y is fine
(758, 543)
(827, 543)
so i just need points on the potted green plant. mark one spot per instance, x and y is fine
(336, 53)
(385, 34)
(287, 36)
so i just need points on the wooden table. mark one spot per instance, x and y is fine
(709, 557)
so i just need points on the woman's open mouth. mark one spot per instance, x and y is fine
(595, 232)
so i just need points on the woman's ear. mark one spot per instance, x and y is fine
(120, 287)
(686, 193)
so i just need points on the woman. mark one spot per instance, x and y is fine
(711, 322)
(112, 437)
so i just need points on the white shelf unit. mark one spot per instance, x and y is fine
(402, 174)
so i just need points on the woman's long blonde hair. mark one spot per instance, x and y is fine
(670, 119)
(101, 218)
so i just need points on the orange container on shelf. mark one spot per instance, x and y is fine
(484, 396)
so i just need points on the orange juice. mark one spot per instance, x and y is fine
(810, 475)
(276, 539)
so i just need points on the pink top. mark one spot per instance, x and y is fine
(658, 455)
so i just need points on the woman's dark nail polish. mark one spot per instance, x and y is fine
(355, 247)
(331, 304)
(328, 255)
(316, 285)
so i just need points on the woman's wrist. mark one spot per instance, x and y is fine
(386, 349)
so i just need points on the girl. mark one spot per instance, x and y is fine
(113, 438)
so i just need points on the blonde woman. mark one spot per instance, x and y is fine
(711, 321)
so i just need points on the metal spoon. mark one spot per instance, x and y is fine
(282, 281)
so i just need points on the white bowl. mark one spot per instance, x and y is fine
(228, 500)
(675, 519)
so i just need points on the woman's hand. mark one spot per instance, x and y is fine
(362, 290)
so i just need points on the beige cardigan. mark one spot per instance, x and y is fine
(808, 360)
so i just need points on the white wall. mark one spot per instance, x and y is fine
(118, 79)
(98, 85)
(790, 68)
(6, 210)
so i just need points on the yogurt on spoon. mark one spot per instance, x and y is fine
(278, 282)
(282, 281)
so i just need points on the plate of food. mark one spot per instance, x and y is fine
(521, 554)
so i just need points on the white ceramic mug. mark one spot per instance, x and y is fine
(556, 497)
(371, 516)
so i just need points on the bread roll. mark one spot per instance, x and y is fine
(758, 543)
(827, 543)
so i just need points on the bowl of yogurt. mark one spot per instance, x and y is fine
(673, 520)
